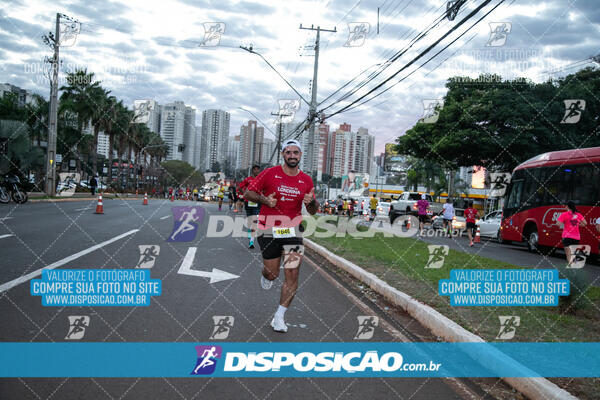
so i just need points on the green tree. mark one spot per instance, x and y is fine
(20, 156)
(180, 173)
(80, 96)
(499, 123)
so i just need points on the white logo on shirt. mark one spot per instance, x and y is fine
(277, 176)
(299, 181)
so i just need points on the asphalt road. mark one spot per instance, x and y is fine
(514, 253)
(70, 235)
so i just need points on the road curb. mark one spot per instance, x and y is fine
(438, 324)
(81, 199)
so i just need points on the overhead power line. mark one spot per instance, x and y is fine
(422, 54)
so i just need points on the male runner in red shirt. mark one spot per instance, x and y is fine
(252, 208)
(281, 190)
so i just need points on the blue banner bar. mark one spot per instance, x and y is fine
(299, 359)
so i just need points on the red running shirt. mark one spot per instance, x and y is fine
(470, 214)
(243, 185)
(289, 192)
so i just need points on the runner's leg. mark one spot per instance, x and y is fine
(290, 285)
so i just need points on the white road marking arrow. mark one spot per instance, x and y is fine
(215, 276)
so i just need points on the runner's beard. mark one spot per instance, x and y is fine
(291, 162)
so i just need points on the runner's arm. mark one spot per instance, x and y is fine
(255, 197)
(312, 207)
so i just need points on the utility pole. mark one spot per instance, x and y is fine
(279, 133)
(52, 119)
(310, 151)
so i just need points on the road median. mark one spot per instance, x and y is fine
(440, 325)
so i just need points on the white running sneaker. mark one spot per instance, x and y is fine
(265, 283)
(278, 324)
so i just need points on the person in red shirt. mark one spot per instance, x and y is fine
(470, 216)
(252, 208)
(281, 191)
(570, 221)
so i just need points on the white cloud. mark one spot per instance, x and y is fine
(148, 51)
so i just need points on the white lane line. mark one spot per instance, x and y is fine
(59, 263)
(5, 236)
(82, 209)
(165, 217)
(5, 218)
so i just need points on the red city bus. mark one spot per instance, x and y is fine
(537, 194)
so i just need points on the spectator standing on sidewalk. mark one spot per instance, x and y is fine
(93, 185)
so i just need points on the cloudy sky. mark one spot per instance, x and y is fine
(152, 50)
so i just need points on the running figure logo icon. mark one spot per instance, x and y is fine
(212, 33)
(223, 324)
(508, 326)
(437, 255)
(573, 110)
(148, 254)
(366, 326)
(292, 255)
(207, 359)
(431, 110)
(579, 253)
(185, 223)
(287, 110)
(498, 33)
(357, 33)
(77, 325)
(68, 33)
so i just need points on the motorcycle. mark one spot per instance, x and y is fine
(11, 187)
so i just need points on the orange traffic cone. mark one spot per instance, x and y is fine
(408, 223)
(99, 208)
(145, 203)
(477, 236)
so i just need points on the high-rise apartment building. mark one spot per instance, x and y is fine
(363, 152)
(349, 151)
(214, 138)
(172, 126)
(149, 113)
(189, 136)
(233, 152)
(251, 144)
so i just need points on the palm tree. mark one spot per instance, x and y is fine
(80, 96)
(115, 120)
(126, 118)
(37, 118)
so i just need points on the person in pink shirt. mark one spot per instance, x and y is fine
(422, 207)
(569, 222)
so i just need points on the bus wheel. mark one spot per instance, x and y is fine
(532, 240)
(499, 238)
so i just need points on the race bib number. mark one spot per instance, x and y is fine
(252, 204)
(279, 233)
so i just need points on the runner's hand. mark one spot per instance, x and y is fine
(309, 197)
(270, 200)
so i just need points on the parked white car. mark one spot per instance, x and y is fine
(489, 225)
